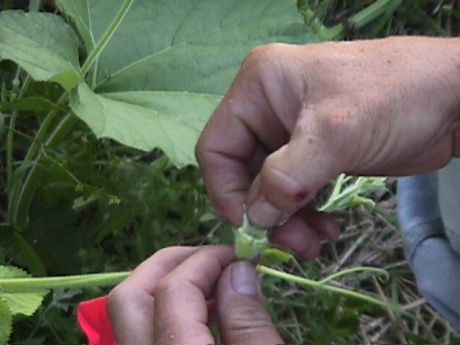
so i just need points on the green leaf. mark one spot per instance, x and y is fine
(19, 303)
(149, 119)
(35, 104)
(6, 323)
(78, 11)
(274, 256)
(42, 44)
(181, 55)
(24, 303)
(12, 272)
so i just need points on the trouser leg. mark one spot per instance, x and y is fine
(449, 202)
(435, 264)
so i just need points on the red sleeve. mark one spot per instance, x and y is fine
(93, 319)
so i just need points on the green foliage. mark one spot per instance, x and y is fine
(6, 322)
(13, 303)
(158, 88)
(147, 74)
(251, 241)
(41, 43)
(347, 193)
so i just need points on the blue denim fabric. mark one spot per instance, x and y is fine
(435, 264)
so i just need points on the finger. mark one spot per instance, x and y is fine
(131, 302)
(243, 121)
(325, 225)
(222, 161)
(242, 316)
(180, 298)
(297, 237)
(257, 160)
(292, 175)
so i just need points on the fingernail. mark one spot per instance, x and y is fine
(244, 279)
(263, 214)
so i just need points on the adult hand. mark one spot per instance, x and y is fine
(173, 296)
(298, 116)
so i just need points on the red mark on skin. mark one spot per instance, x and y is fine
(302, 195)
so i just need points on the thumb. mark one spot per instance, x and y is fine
(241, 312)
(291, 176)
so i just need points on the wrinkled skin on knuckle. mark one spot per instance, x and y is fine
(123, 298)
(247, 320)
(279, 187)
(165, 286)
(263, 56)
(116, 300)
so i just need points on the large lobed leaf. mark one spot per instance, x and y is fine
(41, 43)
(168, 64)
(164, 69)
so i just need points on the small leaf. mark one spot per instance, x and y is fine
(20, 303)
(24, 303)
(6, 323)
(273, 256)
(12, 272)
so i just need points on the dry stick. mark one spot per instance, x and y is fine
(350, 251)
(381, 333)
(390, 312)
(364, 336)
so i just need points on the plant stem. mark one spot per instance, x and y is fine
(10, 137)
(318, 285)
(353, 271)
(106, 37)
(20, 211)
(14, 285)
(357, 21)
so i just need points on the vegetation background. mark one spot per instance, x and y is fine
(103, 207)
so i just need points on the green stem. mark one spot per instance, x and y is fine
(43, 130)
(325, 287)
(13, 285)
(359, 20)
(353, 271)
(32, 152)
(9, 149)
(20, 214)
(11, 131)
(106, 37)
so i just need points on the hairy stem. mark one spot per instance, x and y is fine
(12, 285)
(325, 287)
(354, 270)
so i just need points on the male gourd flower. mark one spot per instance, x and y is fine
(250, 241)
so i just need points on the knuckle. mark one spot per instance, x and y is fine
(249, 320)
(261, 57)
(167, 251)
(117, 299)
(164, 286)
(279, 182)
